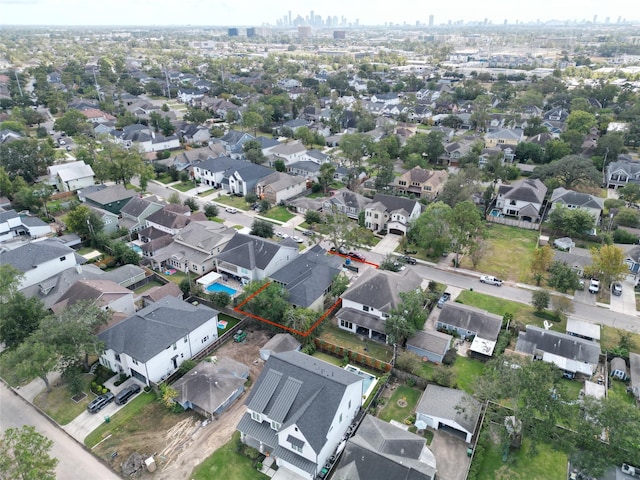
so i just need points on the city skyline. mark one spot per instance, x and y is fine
(256, 13)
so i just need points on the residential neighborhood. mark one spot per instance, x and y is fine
(314, 251)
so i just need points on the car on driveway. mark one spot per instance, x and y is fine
(308, 233)
(594, 286)
(357, 256)
(489, 280)
(340, 250)
(297, 239)
(408, 259)
(100, 402)
(281, 235)
(444, 298)
(231, 210)
(125, 394)
(616, 289)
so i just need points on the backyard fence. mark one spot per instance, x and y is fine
(353, 356)
(512, 222)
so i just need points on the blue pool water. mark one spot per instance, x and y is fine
(495, 213)
(217, 287)
(136, 248)
(368, 380)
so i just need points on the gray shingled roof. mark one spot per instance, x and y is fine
(431, 341)
(380, 289)
(567, 346)
(154, 328)
(250, 252)
(526, 190)
(393, 203)
(381, 450)
(114, 193)
(219, 164)
(452, 404)
(32, 254)
(136, 206)
(319, 388)
(485, 325)
(582, 200)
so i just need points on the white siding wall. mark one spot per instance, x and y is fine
(124, 304)
(358, 306)
(47, 269)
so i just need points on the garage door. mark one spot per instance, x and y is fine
(139, 376)
(453, 431)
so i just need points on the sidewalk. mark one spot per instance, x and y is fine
(31, 390)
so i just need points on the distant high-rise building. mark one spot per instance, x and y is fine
(251, 32)
(606, 20)
(290, 18)
(304, 31)
(431, 20)
(339, 34)
(328, 21)
(232, 32)
(595, 19)
(312, 18)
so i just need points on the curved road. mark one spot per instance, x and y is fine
(75, 463)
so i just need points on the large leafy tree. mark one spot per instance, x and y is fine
(327, 170)
(563, 278)
(466, 228)
(27, 158)
(72, 122)
(571, 222)
(430, 231)
(355, 147)
(460, 186)
(262, 228)
(25, 455)
(21, 316)
(570, 171)
(529, 151)
(607, 264)
(85, 222)
(408, 317)
(541, 261)
(581, 121)
(34, 357)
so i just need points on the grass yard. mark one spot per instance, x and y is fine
(393, 411)
(280, 214)
(147, 286)
(231, 322)
(610, 337)
(184, 186)
(357, 343)
(232, 201)
(164, 178)
(176, 278)
(466, 371)
(618, 390)
(59, 405)
(226, 462)
(546, 464)
(325, 357)
(508, 255)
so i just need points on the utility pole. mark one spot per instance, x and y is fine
(604, 165)
(18, 82)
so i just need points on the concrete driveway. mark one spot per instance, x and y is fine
(451, 453)
(625, 303)
(86, 422)
(583, 296)
(387, 245)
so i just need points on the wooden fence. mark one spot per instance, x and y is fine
(353, 356)
(513, 223)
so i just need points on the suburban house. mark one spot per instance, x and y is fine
(448, 409)
(233, 141)
(571, 354)
(299, 410)
(431, 345)
(582, 329)
(315, 156)
(421, 183)
(155, 294)
(367, 302)
(618, 369)
(622, 171)
(105, 294)
(109, 220)
(214, 171)
(195, 134)
(504, 136)
(212, 386)
(72, 176)
(279, 187)
(173, 218)
(305, 168)
(14, 225)
(153, 241)
(561, 197)
(194, 247)
(245, 178)
(522, 199)
(347, 202)
(37, 261)
(133, 216)
(382, 450)
(288, 152)
(279, 343)
(145, 138)
(309, 277)
(248, 258)
(394, 214)
(471, 323)
(577, 259)
(151, 344)
(111, 198)
(634, 374)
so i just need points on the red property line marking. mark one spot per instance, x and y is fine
(275, 324)
(354, 259)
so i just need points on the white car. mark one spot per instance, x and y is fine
(297, 239)
(231, 210)
(488, 279)
(282, 235)
(594, 286)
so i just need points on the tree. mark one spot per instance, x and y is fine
(253, 151)
(466, 228)
(570, 171)
(630, 193)
(561, 305)
(526, 151)
(628, 217)
(397, 328)
(174, 198)
(27, 158)
(21, 316)
(25, 455)
(355, 147)
(124, 254)
(312, 216)
(85, 222)
(35, 357)
(147, 172)
(262, 228)
(563, 278)
(460, 186)
(279, 165)
(571, 222)
(607, 264)
(72, 123)
(252, 120)
(196, 115)
(555, 149)
(430, 230)
(192, 204)
(581, 121)
(10, 279)
(325, 178)
(211, 210)
(541, 261)
(540, 299)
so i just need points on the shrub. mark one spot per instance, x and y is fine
(622, 236)
(450, 357)
(211, 211)
(186, 366)
(309, 348)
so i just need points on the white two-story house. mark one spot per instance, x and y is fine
(561, 197)
(151, 344)
(387, 212)
(522, 199)
(299, 411)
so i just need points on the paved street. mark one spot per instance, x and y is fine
(76, 463)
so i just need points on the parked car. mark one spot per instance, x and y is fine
(489, 280)
(281, 235)
(408, 259)
(297, 239)
(616, 289)
(240, 336)
(630, 470)
(594, 286)
(357, 256)
(231, 210)
(61, 142)
(340, 250)
(308, 233)
(124, 395)
(445, 297)
(100, 402)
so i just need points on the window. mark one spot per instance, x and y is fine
(256, 416)
(135, 362)
(175, 346)
(344, 324)
(340, 418)
(276, 426)
(186, 339)
(365, 308)
(117, 357)
(205, 339)
(62, 259)
(349, 403)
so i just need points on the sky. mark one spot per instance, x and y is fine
(261, 12)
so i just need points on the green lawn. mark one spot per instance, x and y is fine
(610, 337)
(357, 343)
(164, 178)
(509, 253)
(546, 464)
(59, 405)
(232, 321)
(226, 462)
(84, 250)
(619, 390)
(325, 357)
(147, 286)
(392, 411)
(466, 371)
(232, 201)
(280, 214)
(175, 278)
(184, 186)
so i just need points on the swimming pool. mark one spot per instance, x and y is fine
(368, 381)
(496, 213)
(136, 248)
(218, 287)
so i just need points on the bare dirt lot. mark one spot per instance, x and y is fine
(181, 442)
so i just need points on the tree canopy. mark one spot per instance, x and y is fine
(25, 455)
(570, 171)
